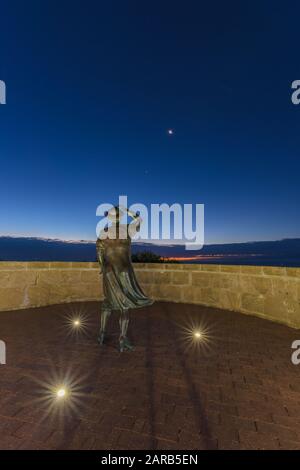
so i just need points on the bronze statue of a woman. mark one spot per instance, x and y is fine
(121, 289)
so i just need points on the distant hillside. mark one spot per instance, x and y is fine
(273, 253)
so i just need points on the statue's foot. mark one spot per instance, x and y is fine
(101, 338)
(125, 345)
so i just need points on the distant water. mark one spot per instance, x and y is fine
(266, 253)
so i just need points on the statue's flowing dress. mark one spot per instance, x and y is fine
(121, 288)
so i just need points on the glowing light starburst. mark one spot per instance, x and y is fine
(197, 335)
(61, 395)
(75, 322)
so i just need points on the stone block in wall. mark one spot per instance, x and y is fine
(60, 265)
(210, 267)
(85, 265)
(224, 268)
(201, 279)
(168, 292)
(191, 267)
(255, 284)
(162, 277)
(4, 278)
(154, 266)
(180, 278)
(145, 277)
(175, 266)
(229, 300)
(58, 277)
(191, 294)
(256, 270)
(39, 295)
(252, 303)
(139, 266)
(62, 293)
(201, 295)
(17, 279)
(293, 272)
(293, 316)
(293, 307)
(215, 280)
(12, 266)
(11, 298)
(275, 308)
(225, 281)
(210, 296)
(274, 271)
(85, 291)
(37, 265)
(91, 275)
(285, 287)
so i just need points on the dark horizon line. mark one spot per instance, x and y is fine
(150, 243)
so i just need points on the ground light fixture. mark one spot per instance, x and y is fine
(198, 335)
(61, 393)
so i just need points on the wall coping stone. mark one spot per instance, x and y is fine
(212, 268)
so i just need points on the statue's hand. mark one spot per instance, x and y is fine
(135, 215)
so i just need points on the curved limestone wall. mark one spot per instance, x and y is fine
(268, 292)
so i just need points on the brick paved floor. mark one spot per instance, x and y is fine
(240, 391)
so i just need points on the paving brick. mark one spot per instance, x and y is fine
(293, 410)
(238, 423)
(163, 444)
(201, 441)
(257, 441)
(135, 441)
(277, 431)
(289, 445)
(10, 425)
(9, 443)
(82, 442)
(249, 411)
(225, 443)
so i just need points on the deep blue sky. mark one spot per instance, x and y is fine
(93, 86)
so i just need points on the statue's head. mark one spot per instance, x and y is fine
(115, 214)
